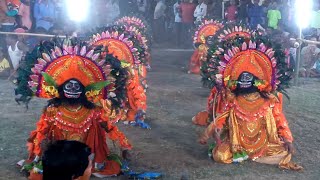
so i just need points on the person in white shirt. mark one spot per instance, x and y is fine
(177, 22)
(159, 21)
(201, 11)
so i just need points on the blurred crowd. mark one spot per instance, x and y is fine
(171, 21)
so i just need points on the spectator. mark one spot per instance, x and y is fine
(231, 11)
(274, 15)
(24, 13)
(315, 21)
(201, 11)
(187, 10)
(284, 9)
(66, 160)
(315, 70)
(44, 14)
(7, 22)
(159, 20)
(124, 7)
(5, 66)
(243, 11)
(178, 22)
(112, 7)
(142, 6)
(255, 14)
(308, 57)
(214, 9)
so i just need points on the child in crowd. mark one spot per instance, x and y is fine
(231, 11)
(274, 15)
(5, 67)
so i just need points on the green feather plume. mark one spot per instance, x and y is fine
(49, 80)
(97, 86)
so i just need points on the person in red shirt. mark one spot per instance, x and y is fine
(231, 11)
(187, 9)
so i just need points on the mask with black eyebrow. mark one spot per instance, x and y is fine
(245, 84)
(72, 89)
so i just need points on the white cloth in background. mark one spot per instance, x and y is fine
(200, 11)
(15, 55)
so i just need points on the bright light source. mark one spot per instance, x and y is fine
(303, 12)
(77, 9)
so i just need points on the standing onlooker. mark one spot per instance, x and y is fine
(274, 15)
(315, 21)
(178, 22)
(201, 11)
(159, 20)
(44, 13)
(187, 10)
(112, 7)
(255, 14)
(124, 7)
(142, 6)
(243, 11)
(231, 11)
(24, 12)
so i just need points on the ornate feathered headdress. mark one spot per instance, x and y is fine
(52, 63)
(205, 29)
(226, 38)
(257, 57)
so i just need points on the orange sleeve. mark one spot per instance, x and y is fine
(115, 134)
(136, 95)
(38, 135)
(210, 100)
(217, 124)
(281, 121)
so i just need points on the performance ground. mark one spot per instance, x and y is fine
(171, 147)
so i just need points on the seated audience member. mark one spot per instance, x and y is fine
(308, 57)
(67, 160)
(315, 70)
(5, 67)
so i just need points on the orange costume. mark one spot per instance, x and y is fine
(216, 103)
(253, 125)
(207, 28)
(136, 26)
(123, 48)
(67, 67)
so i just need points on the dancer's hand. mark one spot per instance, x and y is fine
(289, 147)
(203, 140)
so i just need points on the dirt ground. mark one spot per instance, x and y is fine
(171, 146)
